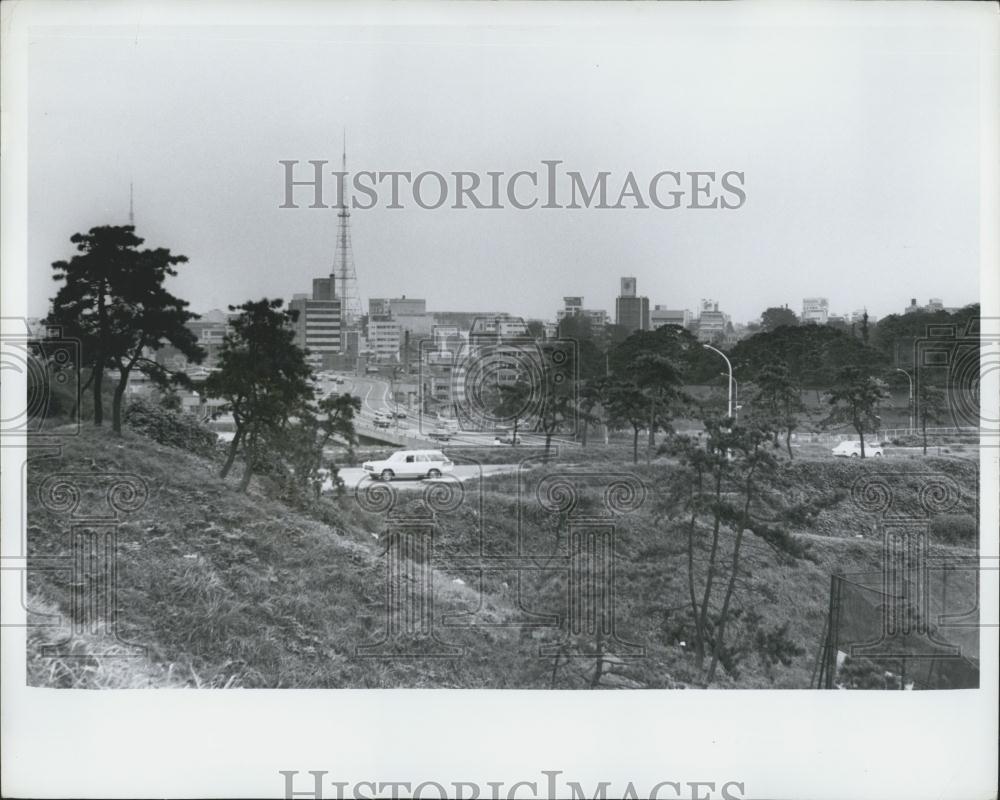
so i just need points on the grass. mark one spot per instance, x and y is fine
(231, 590)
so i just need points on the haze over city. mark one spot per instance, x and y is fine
(834, 205)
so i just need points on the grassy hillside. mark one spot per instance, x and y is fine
(229, 590)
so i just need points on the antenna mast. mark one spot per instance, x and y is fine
(344, 276)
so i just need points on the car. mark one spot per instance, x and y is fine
(399, 414)
(507, 438)
(440, 435)
(852, 449)
(410, 464)
(382, 422)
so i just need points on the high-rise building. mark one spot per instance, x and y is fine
(319, 325)
(815, 310)
(631, 312)
(383, 339)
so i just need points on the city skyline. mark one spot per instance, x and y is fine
(830, 211)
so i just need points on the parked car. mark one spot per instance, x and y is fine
(410, 464)
(440, 434)
(852, 449)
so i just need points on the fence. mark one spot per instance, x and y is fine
(895, 433)
(915, 630)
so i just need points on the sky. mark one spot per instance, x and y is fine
(859, 146)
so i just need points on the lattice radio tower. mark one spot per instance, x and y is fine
(345, 279)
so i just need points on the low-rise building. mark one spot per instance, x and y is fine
(661, 315)
(815, 310)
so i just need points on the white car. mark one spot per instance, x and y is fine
(410, 464)
(852, 449)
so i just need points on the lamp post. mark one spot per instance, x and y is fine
(736, 396)
(729, 367)
(910, 379)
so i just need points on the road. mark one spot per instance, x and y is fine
(374, 394)
(353, 476)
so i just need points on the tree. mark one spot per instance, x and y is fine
(113, 301)
(855, 399)
(778, 317)
(814, 354)
(511, 401)
(263, 378)
(714, 492)
(931, 406)
(147, 318)
(778, 400)
(626, 404)
(660, 379)
(304, 440)
(591, 397)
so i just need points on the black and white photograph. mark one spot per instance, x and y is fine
(469, 349)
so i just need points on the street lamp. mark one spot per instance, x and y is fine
(736, 396)
(910, 379)
(729, 366)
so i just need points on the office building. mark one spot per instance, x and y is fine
(631, 311)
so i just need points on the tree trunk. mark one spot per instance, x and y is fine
(513, 438)
(116, 403)
(234, 445)
(251, 460)
(652, 427)
(79, 395)
(734, 567)
(98, 387)
(247, 474)
(788, 443)
(709, 577)
(861, 436)
(635, 444)
(699, 638)
(586, 424)
(717, 649)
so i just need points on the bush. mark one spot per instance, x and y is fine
(954, 528)
(171, 428)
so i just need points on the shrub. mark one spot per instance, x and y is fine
(954, 528)
(171, 428)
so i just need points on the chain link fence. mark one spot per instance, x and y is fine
(887, 630)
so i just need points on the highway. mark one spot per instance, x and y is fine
(374, 394)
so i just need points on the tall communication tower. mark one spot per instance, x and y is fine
(344, 277)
